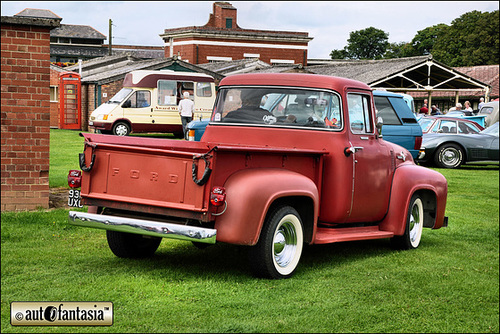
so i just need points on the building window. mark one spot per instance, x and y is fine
(282, 61)
(251, 55)
(54, 97)
(214, 59)
(229, 23)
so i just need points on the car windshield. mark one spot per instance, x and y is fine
(425, 123)
(278, 107)
(491, 130)
(120, 96)
(486, 110)
(456, 112)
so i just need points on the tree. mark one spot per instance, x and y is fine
(339, 54)
(399, 50)
(424, 40)
(471, 40)
(369, 43)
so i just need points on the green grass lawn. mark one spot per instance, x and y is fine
(449, 284)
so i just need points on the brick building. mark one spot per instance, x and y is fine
(25, 111)
(221, 39)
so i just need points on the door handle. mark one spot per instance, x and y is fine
(353, 149)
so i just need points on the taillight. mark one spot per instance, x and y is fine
(75, 178)
(418, 143)
(218, 196)
(191, 135)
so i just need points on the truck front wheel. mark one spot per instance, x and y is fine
(277, 253)
(414, 226)
(130, 245)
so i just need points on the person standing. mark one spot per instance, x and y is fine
(186, 111)
(481, 103)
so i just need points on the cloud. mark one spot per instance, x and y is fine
(328, 22)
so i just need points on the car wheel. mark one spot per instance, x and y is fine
(121, 129)
(414, 226)
(277, 253)
(449, 156)
(128, 245)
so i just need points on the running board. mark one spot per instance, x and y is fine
(330, 235)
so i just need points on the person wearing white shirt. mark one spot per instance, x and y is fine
(186, 111)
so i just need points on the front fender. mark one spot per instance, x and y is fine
(409, 179)
(249, 195)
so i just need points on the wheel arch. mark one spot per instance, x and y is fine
(252, 194)
(122, 120)
(305, 208)
(464, 150)
(409, 180)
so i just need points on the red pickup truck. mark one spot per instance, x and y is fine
(287, 159)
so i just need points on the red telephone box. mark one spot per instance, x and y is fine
(70, 106)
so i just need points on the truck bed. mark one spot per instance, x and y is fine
(155, 176)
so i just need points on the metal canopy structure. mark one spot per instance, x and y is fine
(412, 74)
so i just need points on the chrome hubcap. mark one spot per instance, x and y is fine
(285, 244)
(450, 156)
(416, 223)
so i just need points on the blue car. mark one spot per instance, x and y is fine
(400, 125)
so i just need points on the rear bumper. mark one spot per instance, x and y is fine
(144, 227)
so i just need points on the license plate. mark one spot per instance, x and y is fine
(91, 123)
(74, 198)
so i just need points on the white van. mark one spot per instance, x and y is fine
(148, 102)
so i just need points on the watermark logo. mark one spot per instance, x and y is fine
(61, 313)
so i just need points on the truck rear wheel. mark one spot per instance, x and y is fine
(414, 226)
(277, 253)
(128, 245)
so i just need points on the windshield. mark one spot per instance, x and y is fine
(120, 96)
(491, 130)
(425, 123)
(486, 110)
(278, 107)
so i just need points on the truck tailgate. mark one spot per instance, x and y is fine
(155, 173)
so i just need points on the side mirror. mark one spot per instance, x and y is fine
(380, 123)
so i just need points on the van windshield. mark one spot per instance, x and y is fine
(120, 96)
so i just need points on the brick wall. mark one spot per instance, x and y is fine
(199, 56)
(25, 112)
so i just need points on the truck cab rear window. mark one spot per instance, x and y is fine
(278, 107)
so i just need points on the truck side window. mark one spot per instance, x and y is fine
(203, 89)
(140, 99)
(167, 92)
(359, 113)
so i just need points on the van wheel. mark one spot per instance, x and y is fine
(128, 245)
(121, 129)
(277, 253)
(414, 226)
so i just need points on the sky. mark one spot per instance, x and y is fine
(328, 22)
